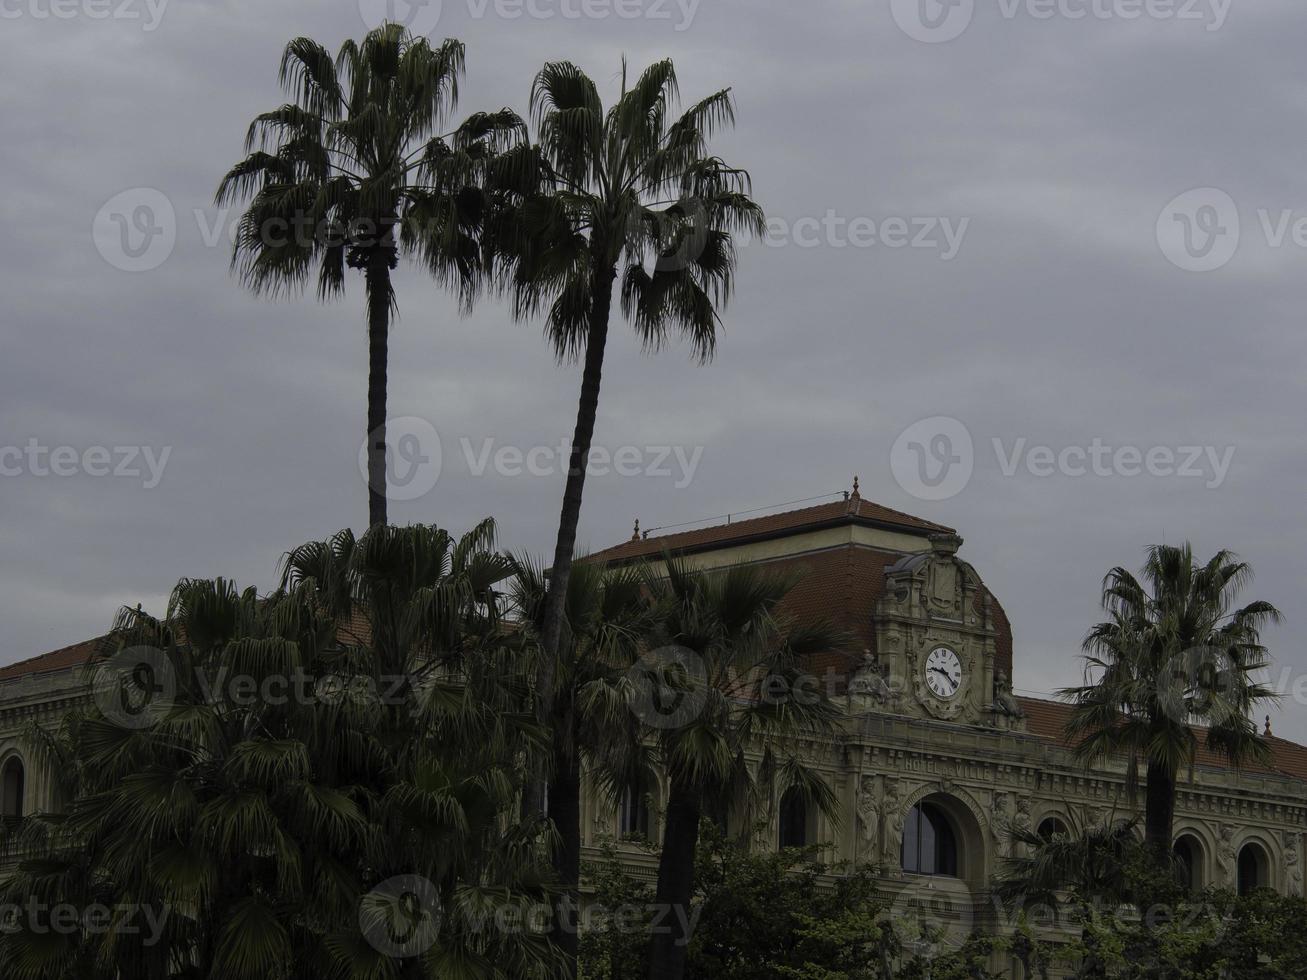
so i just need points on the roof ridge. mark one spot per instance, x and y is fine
(852, 508)
(54, 652)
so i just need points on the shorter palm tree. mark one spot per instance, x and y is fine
(1095, 866)
(1099, 869)
(1173, 666)
(723, 702)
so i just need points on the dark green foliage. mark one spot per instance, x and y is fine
(363, 723)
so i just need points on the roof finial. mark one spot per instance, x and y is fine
(635, 535)
(1268, 726)
(856, 493)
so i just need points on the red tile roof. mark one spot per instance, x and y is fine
(1047, 719)
(840, 584)
(64, 658)
(855, 510)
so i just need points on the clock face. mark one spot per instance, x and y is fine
(943, 672)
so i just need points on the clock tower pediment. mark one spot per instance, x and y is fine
(935, 635)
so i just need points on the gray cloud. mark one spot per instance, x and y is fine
(1058, 321)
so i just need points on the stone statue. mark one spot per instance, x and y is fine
(1293, 865)
(1021, 824)
(869, 687)
(1000, 823)
(892, 811)
(869, 807)
(1005, 702)
(1225, 861)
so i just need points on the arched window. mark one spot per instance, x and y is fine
(1254, 869)
(13, 784)
(633, 810)
(1188, 855)
(794, 819)
(1051, 827)
(930, 844)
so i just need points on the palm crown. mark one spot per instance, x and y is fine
(1175, 653)
(629, 189)
(357, 169)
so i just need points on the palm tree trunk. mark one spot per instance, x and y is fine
(568, 810)
(565, 813)
(669, 945)
(379, 296)
(565, 544)
(1159, 812)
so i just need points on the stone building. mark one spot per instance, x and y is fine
(935, 759)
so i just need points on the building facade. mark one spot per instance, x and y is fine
(935, 759)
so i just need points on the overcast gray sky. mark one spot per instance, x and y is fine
(980, 216)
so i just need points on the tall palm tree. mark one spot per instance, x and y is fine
(356, 169)
(628, 192)
(729, 681)
(607, 617)
(1175, 653)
